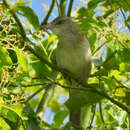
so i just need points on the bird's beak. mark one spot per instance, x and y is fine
(47, 26)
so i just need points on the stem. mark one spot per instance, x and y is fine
(94, 112)
(109, 57)
(45, 99)
(39, 90)
(70, 7)
(100, 110)
(49, 12)
(101, 93)
(98, 48)
(121, 84)
(62, 7)
(125, 19)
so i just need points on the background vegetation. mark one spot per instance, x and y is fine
(33, 94)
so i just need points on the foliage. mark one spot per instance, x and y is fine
(30, 85)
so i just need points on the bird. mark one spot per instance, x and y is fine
(73, 53)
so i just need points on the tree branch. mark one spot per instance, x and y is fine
(94, 112)
(101, 93)
(101, 115)
(121, 84)
(125, 19)
(98, 48)
(39, 90)
(49, 12)
(70, 7)
(62, 7)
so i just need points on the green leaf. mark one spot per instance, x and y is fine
(29, 14)
(108, 81)
(59, 117)
(13, 56)
(93, 3)
(5, 60)
(18, 109)
(77, 101)
(101, 72)
(111, 61)
(3, 124)
(20, 3)
(122, 117)
(22, 60)
(124, 55)
(93, 39)
(8, 114)
(125, 67)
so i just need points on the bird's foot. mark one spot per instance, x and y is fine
(64, 72)
(79, 80)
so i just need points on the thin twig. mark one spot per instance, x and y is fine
(121, 84)
(30, 85)
(98, 48)
(101, 93)
(39, 90)
(44, 99)
(100, 110)
(49, 12)
(94, 112)
(70, 8)
(125, 19)
(62, 7)
(109, 57)
(58, 7)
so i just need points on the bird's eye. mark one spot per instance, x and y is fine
(59, 22)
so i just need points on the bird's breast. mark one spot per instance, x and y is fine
(73, 57)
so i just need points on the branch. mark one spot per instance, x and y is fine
(62, 7)
(70, 7)
(107, 13)
(109, 57)
(39, 90)
(30, 85)
(121, 84)
(125, 19)
(101, 93)
(49, 12)
(100, 110)
(98, 48)
(94, 112)
(45, 98)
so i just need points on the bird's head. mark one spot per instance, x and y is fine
(61, 26)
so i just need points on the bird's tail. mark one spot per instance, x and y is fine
(75, 114)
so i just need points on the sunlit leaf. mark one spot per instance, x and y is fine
(29, 14)
(5, 60)
(125, 67)
(77, 101)
(59, 117)
(22, 60)
(3, 124)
